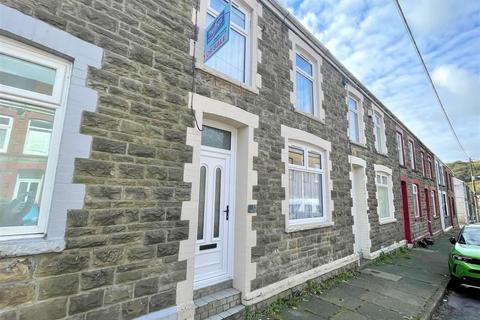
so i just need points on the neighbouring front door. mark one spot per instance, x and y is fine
(406, 212)
(214, 243)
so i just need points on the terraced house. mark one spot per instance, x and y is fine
(138, 185)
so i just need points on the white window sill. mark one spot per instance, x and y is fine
(360, 144)
(218, 74)
(307, 226)
(309, 115)
(30, 246)
(387, 221)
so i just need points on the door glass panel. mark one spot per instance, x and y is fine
(201, 203)
(25, 75)
(218, 188)
(217, 138)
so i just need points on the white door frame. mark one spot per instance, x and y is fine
(229, 239)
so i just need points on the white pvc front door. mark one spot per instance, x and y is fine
(213, 248)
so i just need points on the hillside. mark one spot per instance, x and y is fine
(462, 171)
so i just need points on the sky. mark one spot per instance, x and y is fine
(369, 38)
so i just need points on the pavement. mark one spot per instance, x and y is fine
(459, 303)
(407, 287)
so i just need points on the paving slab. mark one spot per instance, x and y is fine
(400, 289)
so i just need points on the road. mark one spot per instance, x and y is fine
(459, 303)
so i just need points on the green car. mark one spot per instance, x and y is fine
(464, 259)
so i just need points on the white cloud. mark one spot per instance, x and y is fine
(369, 38)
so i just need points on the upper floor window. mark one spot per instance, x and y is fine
(379, 132)
(5, 130)
(33, 87)
(304, 83)
(306, 185)
(400, 148)
(424, 168)
(429, 168)
(416, 201)
(233, 59)
(353, 119)
(411, 153)
(37, 141)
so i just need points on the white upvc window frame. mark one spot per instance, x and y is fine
(247, 33)
(8, 128)
(380, 142)
(297, 137)
(433, 199)
(424, 164)
(305, 168)
(13, 49)
(386, 172)
(400, 148)
(416, 200)
(56, 104)
(26, 149)
(311, 78)
(356, 95)
(429, 167)
(302, 48)
(411, 154)
(253, 11)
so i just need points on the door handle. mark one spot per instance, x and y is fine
(227, 211)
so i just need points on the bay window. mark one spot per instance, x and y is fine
(32, 90)
(304, 84)
(233, 59)
(306, 185)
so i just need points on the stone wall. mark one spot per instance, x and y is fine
(121, 256)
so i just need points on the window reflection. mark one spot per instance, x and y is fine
(23, 160)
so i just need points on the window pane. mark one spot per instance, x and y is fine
(295, 156)
(217, 138)
(383, 207)
(304, 65)
(305, 195)
(20, 185)
(314, 160)
(304, 94)
(218, 5)
(378, 137)
(201, 203)
(218, 190)
(230, 59)
(352, 103)
(25, 75)
(238, 18)
(4, 121)
(3, 138)
(353, 126)
(384, 180)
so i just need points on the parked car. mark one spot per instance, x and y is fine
(464, 259)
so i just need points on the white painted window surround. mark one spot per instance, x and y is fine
(383, 180)
(356, 124)
(70, 144)
(416, 200)
(248, 30)
(301, 49)
(307, 141)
